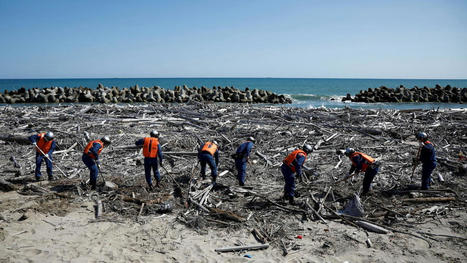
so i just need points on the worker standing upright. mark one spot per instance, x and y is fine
(45, 146)
(428, 159)
(241, 158)
(152, 153)
(209, 154)
(91, 158)
(362, 163)
(291, 168)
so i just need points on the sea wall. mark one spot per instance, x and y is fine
(155, 94)
(446, 94)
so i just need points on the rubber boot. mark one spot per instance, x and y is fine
(291, 200)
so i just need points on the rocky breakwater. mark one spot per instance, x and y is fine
(179, 94)
(446, 94)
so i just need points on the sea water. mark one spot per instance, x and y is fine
(305, 92)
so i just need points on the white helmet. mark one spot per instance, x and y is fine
(49, 136)
(307, 148)
(154, 134)
(349, 151)
(106, 140)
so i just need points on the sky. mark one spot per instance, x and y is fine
(254, 38)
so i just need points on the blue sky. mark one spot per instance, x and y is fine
(311, 39)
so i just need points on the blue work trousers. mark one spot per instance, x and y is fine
(206, 158)
(369, 176)
(289, 177)
(240, 164)
(93, 171)
(48, 163)
(426, 175)
(151, 163)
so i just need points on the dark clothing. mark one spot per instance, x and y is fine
(151, 163)
(243, 151)
(428, 155)
(92, 166)
(206, 158)
(242, 154)
(370, 172)
(428, 159)
(48, 163)
(40, 157)
(289, 176)
(368, 179)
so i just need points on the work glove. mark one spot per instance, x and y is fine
(34, 143)
(160, 163)
(98, 162)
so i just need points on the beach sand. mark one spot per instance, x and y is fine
(62, 228)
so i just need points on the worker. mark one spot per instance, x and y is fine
(45, 146)
(152, 156)
(241, 157)
(427, 157)
(91, 158)
(292, 167)
(209, 154)
(362, 163)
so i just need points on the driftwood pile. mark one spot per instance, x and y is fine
(446, 94)
(103, 94)
(388, 135)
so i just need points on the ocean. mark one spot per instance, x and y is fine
(305, 92)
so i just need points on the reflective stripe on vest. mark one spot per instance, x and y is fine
(367, 160)
(210, 148)
(291, 157)
(89, 146)
(150, 147)
(42, 144)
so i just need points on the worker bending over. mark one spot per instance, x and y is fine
(45, 146)
(209, 154)
(241, 157)
(362, 163)
(91, 158)
(291, 168)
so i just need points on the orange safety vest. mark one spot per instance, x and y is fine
(42, 144)
(89, 146)
(366, 163)
(210, 148)
(291, 157)
(150, 147)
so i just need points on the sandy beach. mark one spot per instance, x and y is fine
(55, 221)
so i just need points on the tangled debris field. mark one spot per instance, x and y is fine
(405, 213)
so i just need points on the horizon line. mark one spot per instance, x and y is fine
(63, 78)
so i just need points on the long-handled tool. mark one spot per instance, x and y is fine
(46, 156)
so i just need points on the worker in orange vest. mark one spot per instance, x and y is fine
(209, 154)
(362, 163)
(292, 167)
(45, 146)
(91, 158)
(152, 153)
